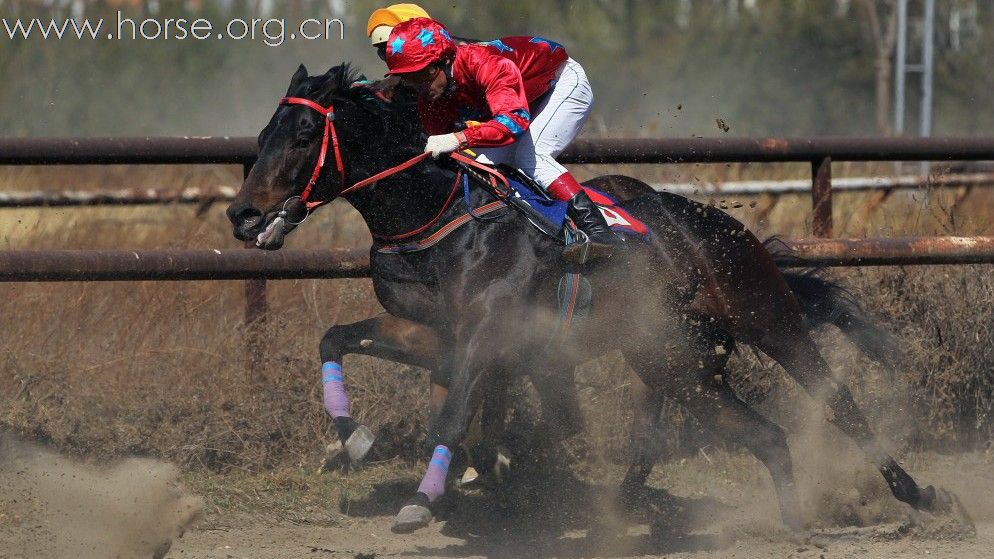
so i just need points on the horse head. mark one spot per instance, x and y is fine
(327, 130)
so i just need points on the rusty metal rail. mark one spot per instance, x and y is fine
(169, 265)
(243, 150)
(819, 152)
(743, 150)
(174, 265)
(204, 196)
(894, 251)
(128, 151)
(124, 196)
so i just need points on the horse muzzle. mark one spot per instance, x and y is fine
(247, 222)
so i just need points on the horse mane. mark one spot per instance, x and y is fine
(385, 98)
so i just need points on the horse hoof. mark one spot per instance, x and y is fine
(358, 444)
(932, 499)
(489, 479)
(335, 458)
(415, 515)
(940, 501)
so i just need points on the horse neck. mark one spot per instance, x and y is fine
(404, 201)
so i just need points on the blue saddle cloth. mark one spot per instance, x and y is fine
(555, 211)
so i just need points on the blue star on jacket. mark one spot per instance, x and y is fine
(426, 37)
(397, 46)
(499, 45)
(553, 46)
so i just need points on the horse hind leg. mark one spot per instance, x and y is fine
(646, 444)
(797, 354)
(713, 403)
(716, 406)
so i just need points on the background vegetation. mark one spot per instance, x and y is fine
(659, 67)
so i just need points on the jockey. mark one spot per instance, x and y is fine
(529, 98)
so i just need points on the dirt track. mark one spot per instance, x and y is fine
(372, 538)
(717, 505)
(568, 517)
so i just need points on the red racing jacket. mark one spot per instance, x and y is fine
(494, 83)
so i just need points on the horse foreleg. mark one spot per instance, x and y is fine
(482, 442)
(383, 336)
(475, 363)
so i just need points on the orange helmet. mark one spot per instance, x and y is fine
(383, 20)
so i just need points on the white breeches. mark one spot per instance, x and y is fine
(557, 120)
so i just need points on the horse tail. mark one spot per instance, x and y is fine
(825, 301)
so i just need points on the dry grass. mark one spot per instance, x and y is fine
(109, 369)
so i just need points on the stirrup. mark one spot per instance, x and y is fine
(584, 249)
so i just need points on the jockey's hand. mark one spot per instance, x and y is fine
(443, 143)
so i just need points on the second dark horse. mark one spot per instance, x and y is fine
(673, 306)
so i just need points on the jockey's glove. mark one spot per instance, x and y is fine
(443, 143)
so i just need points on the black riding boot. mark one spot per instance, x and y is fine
(601, 240)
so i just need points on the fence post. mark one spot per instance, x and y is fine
(821, 196)
(256, 306)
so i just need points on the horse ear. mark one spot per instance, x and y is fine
(297, 77)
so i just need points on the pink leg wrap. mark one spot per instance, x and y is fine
(433, 484)
(336, 401)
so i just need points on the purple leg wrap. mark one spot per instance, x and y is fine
(335, 399)
(433, 484)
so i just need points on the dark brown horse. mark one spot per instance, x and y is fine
(674, 306)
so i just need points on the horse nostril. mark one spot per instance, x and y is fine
(244, 215)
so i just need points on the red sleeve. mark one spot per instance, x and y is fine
(505, 92)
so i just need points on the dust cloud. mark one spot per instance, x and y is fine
(52, 506)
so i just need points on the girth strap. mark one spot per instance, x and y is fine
(443, 231)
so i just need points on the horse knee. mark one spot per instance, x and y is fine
(449, 427)
(334, 343)
(448, 436)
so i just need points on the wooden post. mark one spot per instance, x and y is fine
(821, 196)
(256, 306)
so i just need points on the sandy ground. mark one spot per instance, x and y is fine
(372, 538)
(577, 522)
(714, 505)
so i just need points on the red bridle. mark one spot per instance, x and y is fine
(329, 132)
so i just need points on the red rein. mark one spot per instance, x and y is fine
(330, 134)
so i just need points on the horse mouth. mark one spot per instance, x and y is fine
(273, 235)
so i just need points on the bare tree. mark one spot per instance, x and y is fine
(883, 30)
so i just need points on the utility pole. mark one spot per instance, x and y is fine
(925, 67)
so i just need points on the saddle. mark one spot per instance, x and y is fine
(548, 215)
